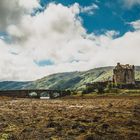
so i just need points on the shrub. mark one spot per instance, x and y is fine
(33, 94)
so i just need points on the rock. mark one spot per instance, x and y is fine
(105, 126)
(81, 129)
(52, 125)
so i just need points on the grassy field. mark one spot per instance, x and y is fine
(94, 118)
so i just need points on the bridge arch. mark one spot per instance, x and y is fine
(36, 92)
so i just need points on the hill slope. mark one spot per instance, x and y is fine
(75, 80)
(68, 80)
(12, 85)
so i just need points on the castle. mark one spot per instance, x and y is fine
(123, 77)
(124, 74)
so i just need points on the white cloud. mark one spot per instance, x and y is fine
(130, 3)
(11, 11)
(29, 4)
(60, 37)
(14, 31)
(112, 34)
(136, 24)
(89, 9)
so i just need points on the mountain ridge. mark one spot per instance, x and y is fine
(66, 80)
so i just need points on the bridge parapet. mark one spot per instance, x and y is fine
(25, 93)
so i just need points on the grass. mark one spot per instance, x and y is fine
(99, 118)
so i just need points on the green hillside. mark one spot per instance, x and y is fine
(67, 80)
(71, 80)
(13, 85)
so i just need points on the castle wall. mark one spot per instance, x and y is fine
(124, 74)
(130, 77)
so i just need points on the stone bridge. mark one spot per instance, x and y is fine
(25, 93)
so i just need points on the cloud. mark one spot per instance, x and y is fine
(40, 37)
(29, 5)
(135, 24)
(12, 11)
(89, 9)
(130, 3)
(14, 31)
(112, 33)
(60, 38)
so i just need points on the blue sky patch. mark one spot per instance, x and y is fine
(43, 63)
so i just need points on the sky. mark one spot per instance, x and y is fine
(42, 37)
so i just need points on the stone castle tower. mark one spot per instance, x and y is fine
(124, 74)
